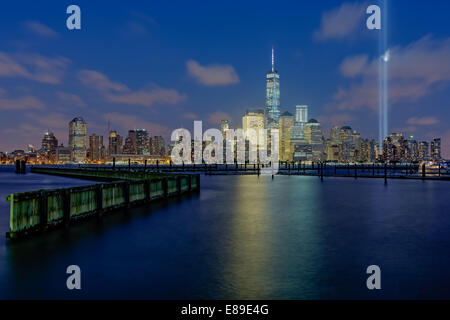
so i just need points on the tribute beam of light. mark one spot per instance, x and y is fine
(383, 81)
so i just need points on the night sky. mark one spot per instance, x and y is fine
(160, 65)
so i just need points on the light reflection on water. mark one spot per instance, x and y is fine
(244, 237)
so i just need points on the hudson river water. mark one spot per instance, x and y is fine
(243, 237)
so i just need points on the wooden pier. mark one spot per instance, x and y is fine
(321, 169)
(38, 211)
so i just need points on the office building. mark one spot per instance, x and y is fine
(77, 139)
(157, 146)
(286, 122)
(272, 112)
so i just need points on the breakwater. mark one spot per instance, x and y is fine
(39, 211)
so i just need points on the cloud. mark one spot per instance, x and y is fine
(425, 121)
(40, 29)
(218, 116)
(140, 24)
(148, 97)
(354, 66)
(71, 99)
(341, 22)
(339, 119)
(50, 121)
(414, 71)
(127, 122)
(190, 115)
(99, 81)
(23, 103)
(119, 93)
(212, 75)
(33, 67)
(405, 130)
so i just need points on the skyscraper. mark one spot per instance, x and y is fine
(96, 148)
(424, 152)
(77, 139)
(436, 149)
(301, 114)
(285, 124)
(272, 113)
(314, 137)
(157, 146)
(130, 143)
(142, 142)
(115, 143)
(224, 126)
(49, 143)
(253, 119)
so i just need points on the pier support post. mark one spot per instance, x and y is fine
(321, 171)
(423, 171)
(99, 199)
(114, 163)
(356, 171)
(126, 193)
(65, 195)
(165, 187)
(17, 166)
(43, 209)
(147, 190)
(178, 179)
(385, 172)
(198, 183)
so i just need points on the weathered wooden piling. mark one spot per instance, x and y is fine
(38, 211)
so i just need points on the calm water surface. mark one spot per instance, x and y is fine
(243, 237)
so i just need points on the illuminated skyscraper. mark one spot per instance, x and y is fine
(224, 126)
(253, 119)
(77, 139)
(115, 143)
(130, 143)
(301, 114)
(157, 146)
(301, 118)
(285, 124)
(436, 149)
(314, 137)
(424, 152)
(142, 142)
(49, 143)
(272, 113)
(96, 148)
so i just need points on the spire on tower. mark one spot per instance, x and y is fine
(273, 68)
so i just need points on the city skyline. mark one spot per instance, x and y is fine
(157, 87)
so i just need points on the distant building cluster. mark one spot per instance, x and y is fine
(138, 146)
(302, 139)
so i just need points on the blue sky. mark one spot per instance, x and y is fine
(160, 65)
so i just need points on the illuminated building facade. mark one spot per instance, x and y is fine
(115, 143)
(436, 149)
(96, 148)
(157, 146)
(285, 124)
(49, 142)
(272, 97)
(77, 139)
